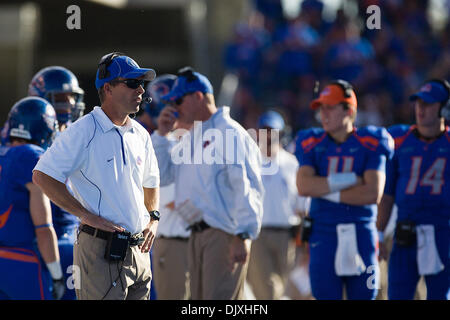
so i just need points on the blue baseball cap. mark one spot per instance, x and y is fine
(430, 92)
(124, 67)
(271, 119)
(187, 82)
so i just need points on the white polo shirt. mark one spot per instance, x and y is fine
(171, 223)
(282, 202)
(107, 166)
(228, 193)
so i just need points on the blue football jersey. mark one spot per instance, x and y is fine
(366, 148)
(16, 170)
(419, 176)
(62, 220)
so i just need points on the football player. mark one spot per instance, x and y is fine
(418, 183)
(27, 236)
(343, 169)
(60, 87)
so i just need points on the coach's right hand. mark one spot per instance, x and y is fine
(166, 120)
(98, 222)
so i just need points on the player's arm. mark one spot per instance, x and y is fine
(369, 192)
(384, 211)
(47, 242)
(41, 215)
(384, 214)
(386, 205)
(303, 204)
(311, 185)
(58, 193)
(388, 199)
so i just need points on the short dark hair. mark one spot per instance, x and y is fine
(101, 91)
(22, 140)
(101, 94)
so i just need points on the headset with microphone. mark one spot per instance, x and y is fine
(346, 87)
(104, 63)
(444, 111)
(144, 100)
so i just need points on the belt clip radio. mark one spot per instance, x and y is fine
(117, 246)
(305, 228)
(405, 233)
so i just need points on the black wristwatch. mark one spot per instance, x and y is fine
(155, 215)
(243, 235)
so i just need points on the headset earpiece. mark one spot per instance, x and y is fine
(188, 73)
(346, 87)
(444, 111)
(316, 89)
(105, 62)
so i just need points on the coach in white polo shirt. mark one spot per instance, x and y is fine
(227, 193)
(109, 161)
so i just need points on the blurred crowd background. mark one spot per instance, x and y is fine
(259, 54)
(279, 58)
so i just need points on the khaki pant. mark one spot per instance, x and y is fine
(170, 269)
(209, 269)
(272, 258)
(99, 279)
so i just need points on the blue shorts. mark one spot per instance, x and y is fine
(403, 272)
(22, 276)
(325, 284)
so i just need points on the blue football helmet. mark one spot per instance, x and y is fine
(32, 119)
(51, 83)
(155, 90)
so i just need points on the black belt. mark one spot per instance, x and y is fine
(173, 238)
(135, 239)
(273, 228)
(199, 226)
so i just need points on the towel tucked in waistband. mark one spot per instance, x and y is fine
(348, 261)
(428, 260)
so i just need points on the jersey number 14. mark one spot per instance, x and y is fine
(433, 177)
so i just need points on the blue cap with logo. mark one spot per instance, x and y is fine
(271, 119)
(115, 65)
(188, 81)
(430, 92)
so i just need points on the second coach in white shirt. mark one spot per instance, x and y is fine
(110, 163)
(221, 197)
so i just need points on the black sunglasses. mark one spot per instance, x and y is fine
(131, 83)
(179, 101)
